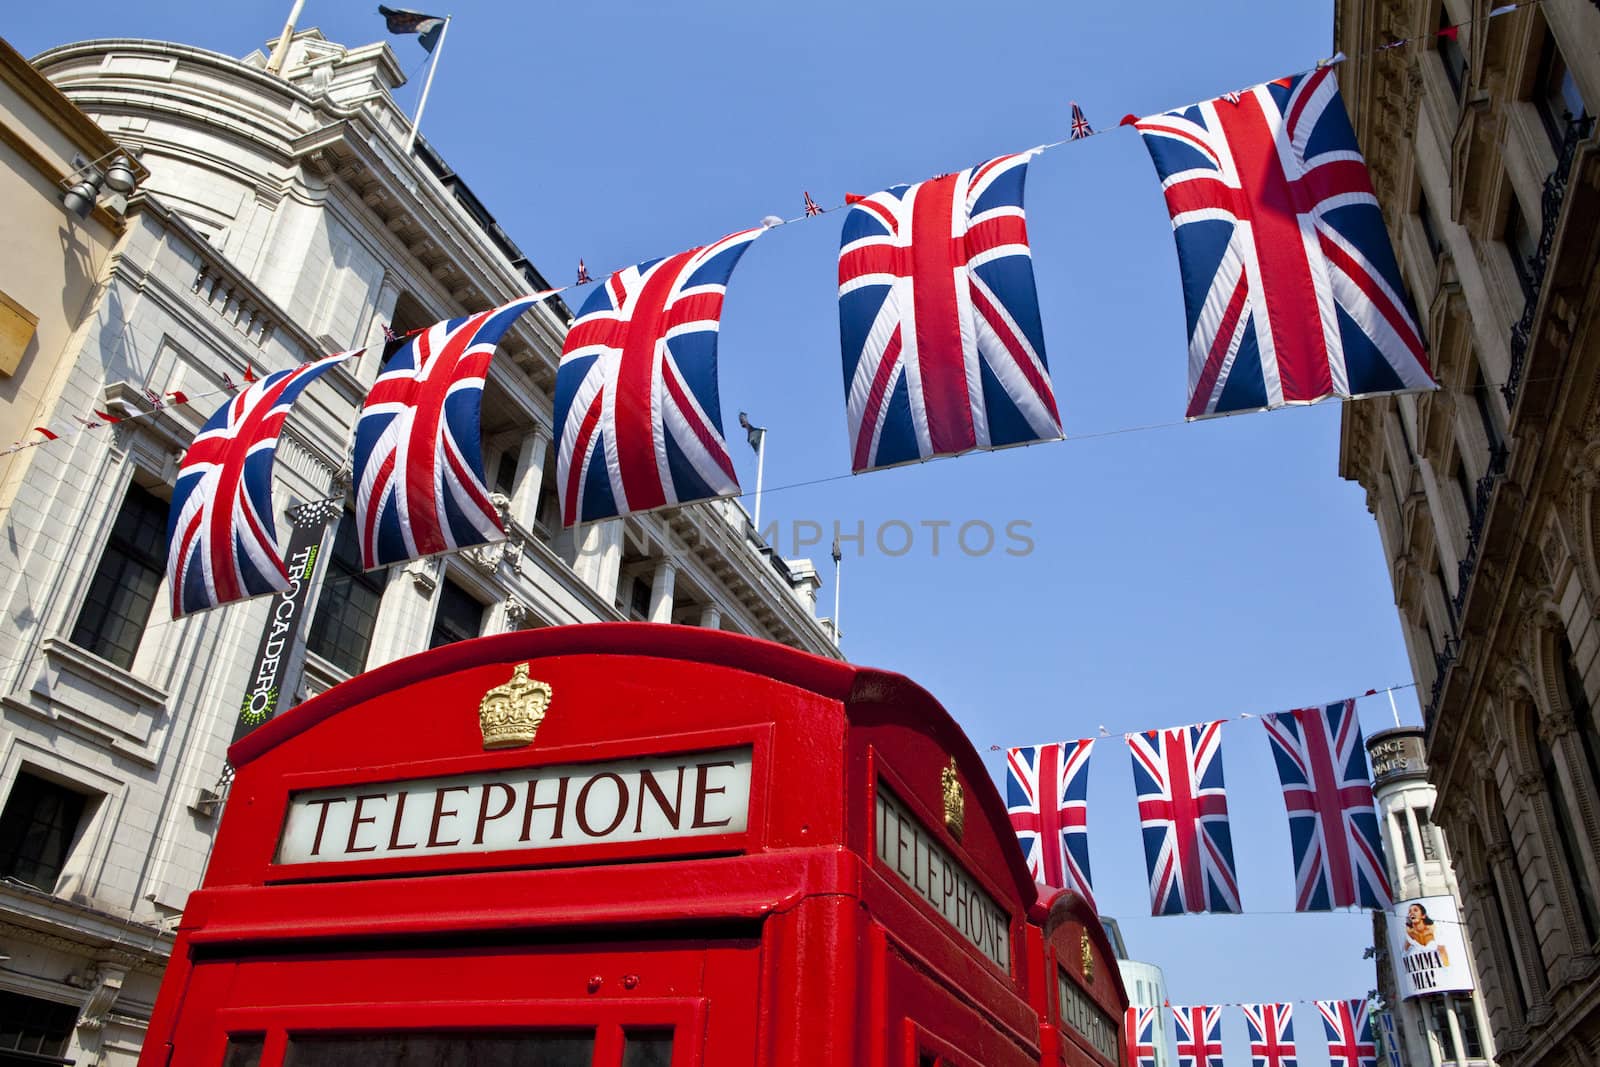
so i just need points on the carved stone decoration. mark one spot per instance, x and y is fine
(485, 558)
(424, 573)
(517, 613)
(105, 985)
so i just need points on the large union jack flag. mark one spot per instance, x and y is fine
(1183, 810)
(418, 454)
(1271, 1034)
(1349, 1030)
(1290, 282)
(222, 541)
(637, 411)
(1338, 852)
(1047, 790)
(939, 320)
(1199, 1036)
(1139, 1036)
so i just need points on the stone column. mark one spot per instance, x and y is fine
(599, 560)
(405, 614)
(366, 368)
(661, 584)
(711, 617)
(530, 477)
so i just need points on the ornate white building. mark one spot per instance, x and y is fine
(281, 220)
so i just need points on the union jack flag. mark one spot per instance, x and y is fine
(637, 411)
(1271, 1034)
(222, 543)
(1047, 788)
(939, 320)
(1338, 852)
(1349, 1030)
(583, 274)
(812, 207)
(1199, 1036)
(1080, 124)
(1290, 283)
(1139, 1036)
(1183, 810)
(418, 454)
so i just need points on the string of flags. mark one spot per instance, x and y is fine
(941, 335)
(1337, 848)
(1347, 1025)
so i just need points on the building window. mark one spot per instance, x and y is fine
(37, 828)
(1486, 412)
(1555, 93)
(1450, 53)
(505, 473)
(1582, 713)
(639, 600)
(1404, 834)
(459, 618)
(1425, 831)
(39, 1031)
(1566, 828)
(1523, 244)
(1467, 1019)
(124, 585)
(1439, 1023)
(347, 607)
(1444, 591)
(1430, 227)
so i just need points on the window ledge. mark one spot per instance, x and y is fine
(79, 689)
(66, 655)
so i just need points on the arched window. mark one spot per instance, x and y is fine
(1566, 828)
(1522, 986)
(1582, 713)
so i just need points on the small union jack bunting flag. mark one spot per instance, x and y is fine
(1349, 1030)
(1139, 1036)
(583, 274)
(812, 207)
(1183, 810)
(1080, 124)
(1333, 828)
(1047, 790)
(1271, 1034)
(939, 320)
(418, 454)
(1199, 1036)
(1291, 286)
(222, 543)
(638, 417)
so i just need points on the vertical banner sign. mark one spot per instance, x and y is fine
(279, 660)
(1425, 943)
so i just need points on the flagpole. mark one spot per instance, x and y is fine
(761, 460)
(838, 571)
(411, 138)
(281, 50)
(1392, 707)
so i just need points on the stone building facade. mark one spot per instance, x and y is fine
(279, 219)
(1433, 1029)
(1484, 157)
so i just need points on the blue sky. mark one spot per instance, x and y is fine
(1176, 574)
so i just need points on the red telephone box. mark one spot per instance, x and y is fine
(625, 845)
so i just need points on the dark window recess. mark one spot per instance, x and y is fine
(1439, 1023)
(1566, 828)
(34, 1030)
(37, 826)
(460, 616)
(1523, 244)
(1582, 713)
(1404, 833)
(505, 473)
(647, 1048)
(1450, 54)
(639, 599)
(453, 1049)
(244, 1050)
(1430, 227)
(1556, 94)
(1463, 480)
(1444, 592)
(1426, 831)
(1486, 412)
(1519, 983)
(347, 606)
(124, 585)
(1468, 1020)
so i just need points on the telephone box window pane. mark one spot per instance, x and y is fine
(648, 1048)
(244, 1051)
(436, 1049)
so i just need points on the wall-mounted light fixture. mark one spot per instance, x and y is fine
(82, 187)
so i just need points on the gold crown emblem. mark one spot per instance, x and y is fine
(955, 800)
(510, 714)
